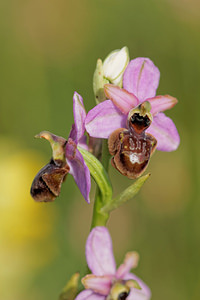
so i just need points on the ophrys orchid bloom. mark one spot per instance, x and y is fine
(66, 159)
(140, 82)
(106, 281)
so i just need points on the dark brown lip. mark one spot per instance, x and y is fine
(132, 148)
(47, 183)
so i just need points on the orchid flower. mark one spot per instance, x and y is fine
(140, 82)
(106, 281)
(66, 159)
(78, 167)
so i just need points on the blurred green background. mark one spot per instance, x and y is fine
(49, 50)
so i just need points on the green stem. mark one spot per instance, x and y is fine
(99, 218)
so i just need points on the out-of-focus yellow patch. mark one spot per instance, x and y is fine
(22, 220)
(26, 227)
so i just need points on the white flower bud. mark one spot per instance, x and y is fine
(115, 64)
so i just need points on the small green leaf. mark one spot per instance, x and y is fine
(99, 174)
(104, 191)
(126, 195)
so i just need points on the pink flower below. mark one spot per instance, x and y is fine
(105, 275)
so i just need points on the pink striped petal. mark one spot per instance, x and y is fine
(99, 284)
(130, 261)
(78, 169)
(89, 295)
(73, 133)
(141, 78)
(99, 252)
(79, 116)
(161, 103)
(164, 130)
(83, 143)
(122, 99)
(103, 119)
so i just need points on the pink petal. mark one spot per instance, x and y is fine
(122, 99)
(89, 295)
(130, 261)
(99, 284)
(103, 119)
(99, 252)
(161, 103)
(79, 115)
(78, 169)
(83, 142)
(136, 294)
(141, 78)
(164, 130)
(73, 133)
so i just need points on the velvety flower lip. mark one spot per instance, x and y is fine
(78, 167)
(100, 259)
(140, 80)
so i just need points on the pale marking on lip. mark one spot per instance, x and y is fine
(134, 158)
